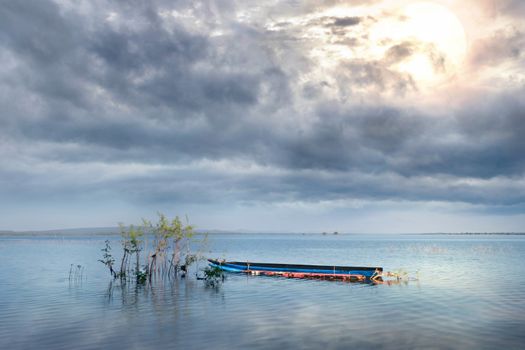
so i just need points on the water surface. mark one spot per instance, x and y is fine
(469, 295)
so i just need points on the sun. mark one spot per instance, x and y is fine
(434, 40)
(440, 38)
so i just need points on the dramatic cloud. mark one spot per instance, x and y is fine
(346, 21)
(207, 105)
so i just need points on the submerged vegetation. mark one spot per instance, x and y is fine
(76, 273)
(169, 254)
(107, 259)
(213, 276)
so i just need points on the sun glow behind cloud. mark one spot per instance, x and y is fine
(438, 30)
(422, 43)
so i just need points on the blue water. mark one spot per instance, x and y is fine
(469, 295)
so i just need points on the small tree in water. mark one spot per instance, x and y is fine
(164, 232)
(107, 258)
(171, 251)
(132, 245)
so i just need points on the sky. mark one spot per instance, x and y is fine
(267, 116)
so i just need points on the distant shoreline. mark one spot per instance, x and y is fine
(474, 233)
(111, 231)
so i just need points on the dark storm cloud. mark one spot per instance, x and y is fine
(382, 75)
(148, 71)
(337, 24)
(360, 138)
(345, 21)
(310, 186)
(495, 127)
(81, 88)
(375, 75)
(343, 30)
(481, 140)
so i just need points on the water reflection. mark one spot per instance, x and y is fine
(450, 305)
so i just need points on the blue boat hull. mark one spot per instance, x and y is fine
(318, 270)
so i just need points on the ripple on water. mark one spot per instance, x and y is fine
(470, 295)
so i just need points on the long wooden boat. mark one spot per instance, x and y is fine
(351, 273)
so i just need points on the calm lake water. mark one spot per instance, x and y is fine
(469, 295)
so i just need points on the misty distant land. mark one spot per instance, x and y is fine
(107, 231)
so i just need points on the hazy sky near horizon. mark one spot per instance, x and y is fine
(355, 116)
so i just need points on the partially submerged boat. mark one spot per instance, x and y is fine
(347, 273)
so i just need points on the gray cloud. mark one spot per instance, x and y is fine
(500, 48)
(400, 52)
(81, 88)
(511, 7)
(346, 21)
